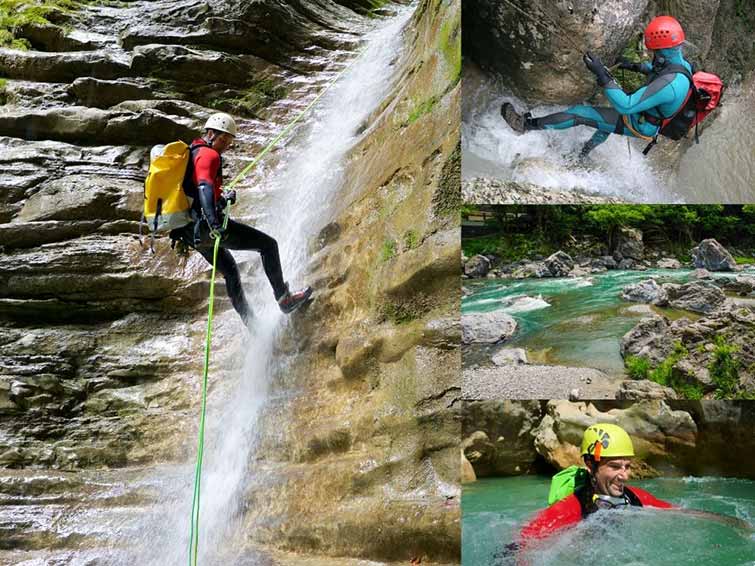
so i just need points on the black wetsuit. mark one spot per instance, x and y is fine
(203, 183)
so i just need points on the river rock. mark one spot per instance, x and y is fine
(559, 264)
(645, 292)
(711, 255)
(629, 243)
(695, 296)
(509, 356)
(477, 266)
(487, 327)
(626, 263)
(743, 285)
(497, 436)
(669, 263)
(637, 390)
(700, 274)
(648, 339)
(533, 269)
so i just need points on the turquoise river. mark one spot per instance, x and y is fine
(577, 321)
(494, 510)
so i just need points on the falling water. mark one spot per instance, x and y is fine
(720, 169)
(303, 186)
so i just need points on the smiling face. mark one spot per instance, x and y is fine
(611, 476)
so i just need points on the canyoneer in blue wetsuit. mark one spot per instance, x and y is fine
(639, 114)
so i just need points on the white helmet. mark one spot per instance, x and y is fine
(222, 123)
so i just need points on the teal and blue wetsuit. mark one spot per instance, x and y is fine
(660, 98)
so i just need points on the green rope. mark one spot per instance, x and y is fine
(194, 532)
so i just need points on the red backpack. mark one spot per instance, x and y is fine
(706, 90)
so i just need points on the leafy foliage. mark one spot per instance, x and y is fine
(724, 369)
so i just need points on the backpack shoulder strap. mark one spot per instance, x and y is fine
(632, 497)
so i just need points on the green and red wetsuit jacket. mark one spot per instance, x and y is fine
(573, 509)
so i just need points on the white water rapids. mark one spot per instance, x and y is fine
(721, 169)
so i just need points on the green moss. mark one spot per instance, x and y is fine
(16, 14)
(411, 240)
(450, 45)
(257, 97)
(420, 109)
(3, 93)
(388, 251)
(629, 80)
(744, 259)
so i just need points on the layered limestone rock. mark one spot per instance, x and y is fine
(669, 437)
(101, 340)
(498, 436)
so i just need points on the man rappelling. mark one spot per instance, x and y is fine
(669, 104)
(203, 185)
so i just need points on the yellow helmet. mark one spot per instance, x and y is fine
(606, 441)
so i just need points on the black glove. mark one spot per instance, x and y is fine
(596, 66)
(228, 197)
(625, 63)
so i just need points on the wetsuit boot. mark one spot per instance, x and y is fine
(289, 302)
(520, 123)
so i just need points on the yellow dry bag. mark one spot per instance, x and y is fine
(166, 206)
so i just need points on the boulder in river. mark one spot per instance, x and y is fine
(669, 263)
(648, 291)
(648, 339)
(711, 255)
(510, 357)
(695, 296)
(487, 327)
(629, 243)
(559, 264)
(477, 266)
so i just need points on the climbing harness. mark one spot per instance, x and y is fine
(194, 532)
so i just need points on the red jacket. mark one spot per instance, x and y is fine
(569, 511)
(207, 167)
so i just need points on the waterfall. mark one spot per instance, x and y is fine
(304, 186)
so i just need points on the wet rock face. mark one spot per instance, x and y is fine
(538, 47)
(711, 255)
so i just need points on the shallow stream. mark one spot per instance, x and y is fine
(494, 510)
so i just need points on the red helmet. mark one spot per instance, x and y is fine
(663, 32)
